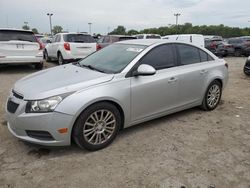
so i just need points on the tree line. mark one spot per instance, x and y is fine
(188, 28)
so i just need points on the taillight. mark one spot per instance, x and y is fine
(213, 45)
(66, 46)
(41, 46)
(98, 47)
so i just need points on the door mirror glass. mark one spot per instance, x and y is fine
(144, 70)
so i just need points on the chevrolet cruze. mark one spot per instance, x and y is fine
(124, 84)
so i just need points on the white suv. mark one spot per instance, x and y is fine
(20, 47)
(68, 47)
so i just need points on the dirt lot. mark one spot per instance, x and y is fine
(191, 148)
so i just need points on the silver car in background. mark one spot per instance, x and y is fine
(19, 46)
(124, 84)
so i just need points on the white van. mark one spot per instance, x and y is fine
(195, 39)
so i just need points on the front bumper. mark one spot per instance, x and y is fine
(19, 123)
(21, 59)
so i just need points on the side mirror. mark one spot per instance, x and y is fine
(144, 70)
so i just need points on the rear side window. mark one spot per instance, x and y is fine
(153, 37)
(126, 38)
(188, 54)
(7, 35)
(160, 57)
(205, 56)
(78, 38)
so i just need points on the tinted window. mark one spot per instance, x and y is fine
(153, 37)
(7, 35)
(78, 38)
(203, 56)
(160, 57)
(140, 37)
(126, 38)
(188, 54)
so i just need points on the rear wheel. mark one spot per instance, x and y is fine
(60, 59)
(39, 66)
(97, 126)
(212, 96)
(237, 53)
(46, 56)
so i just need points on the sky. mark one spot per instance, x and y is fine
(105, 15)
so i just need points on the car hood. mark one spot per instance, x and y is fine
(59, 80)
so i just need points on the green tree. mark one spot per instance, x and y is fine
(26, 27)
(120, 30)
(132, 32)
(57, 29)
(34, 30)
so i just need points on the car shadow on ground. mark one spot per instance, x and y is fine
(14, 69)
(47, 151)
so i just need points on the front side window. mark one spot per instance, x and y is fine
(188, 54)
(112, 59)
(160, 57)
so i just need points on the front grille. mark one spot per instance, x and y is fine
(40, 135)
(15, 94)
(11, 106)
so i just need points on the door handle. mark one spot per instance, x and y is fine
(172, 79)
(203, 72)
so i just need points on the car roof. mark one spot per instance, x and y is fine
(149, 42)
(13, 29)
(145, 42)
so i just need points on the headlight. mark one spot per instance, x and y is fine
(45, 105)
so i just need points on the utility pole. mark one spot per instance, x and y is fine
(50, 23)
(177, 15)
(90, 27)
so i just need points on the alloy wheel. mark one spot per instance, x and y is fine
(213, 96)
(99, 127)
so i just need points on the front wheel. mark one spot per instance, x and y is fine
(97, 126)
(212, 96)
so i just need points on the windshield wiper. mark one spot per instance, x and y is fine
(92, 68)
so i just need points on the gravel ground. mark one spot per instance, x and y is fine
(188, 149)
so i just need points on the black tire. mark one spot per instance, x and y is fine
(237, 53)
(61, 61)
(46, 56)
(83, 120)
(39, 66)
(205, 103)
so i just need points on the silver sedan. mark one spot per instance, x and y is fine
(124, 84)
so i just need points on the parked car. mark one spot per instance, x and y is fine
(124, 84)
(109, 39)
(69, 47)
(195, 39)
(147, 36)
(241, 46)
(45, 41)
(247, 67)
(20, 47)
(219, 47)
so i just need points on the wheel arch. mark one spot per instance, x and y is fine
(116, 104)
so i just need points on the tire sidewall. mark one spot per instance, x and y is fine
(215, 82)
(62, 60)
(78, 127)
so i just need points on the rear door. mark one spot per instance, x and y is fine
(193, 70)
(81, 45)
(18, 43)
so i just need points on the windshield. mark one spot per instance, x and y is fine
(78, 38)
(114, 58)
